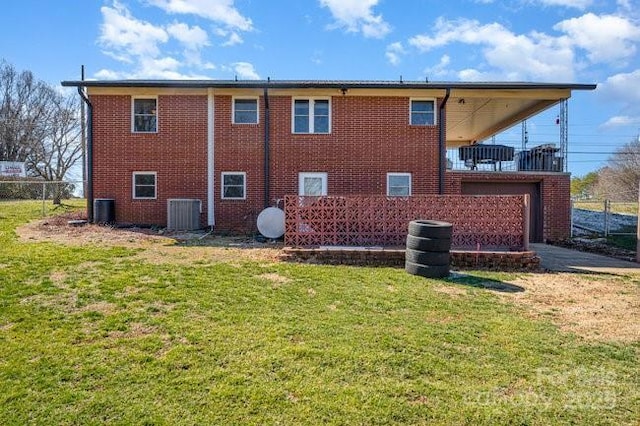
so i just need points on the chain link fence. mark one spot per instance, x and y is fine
(604, 217)
(49, 192)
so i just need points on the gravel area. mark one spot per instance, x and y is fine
(585, 220)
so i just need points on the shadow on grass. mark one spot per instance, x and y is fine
(484, 283)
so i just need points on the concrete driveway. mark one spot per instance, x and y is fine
(560, 259)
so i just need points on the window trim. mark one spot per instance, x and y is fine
(402, 174)
(435, 115)
(244, 185)
(325, 183)
(312, 100)
(155, 185)
(245, 98)
(133, 114)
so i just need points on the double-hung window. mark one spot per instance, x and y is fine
(245, 110)
(145, 115)
(422, 112)
(399, 184)
(234, 185)
(312, 115)
(145, 185)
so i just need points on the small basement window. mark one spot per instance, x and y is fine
(145, 115)
(245, 111)
(144, 185)
(422, 112)
(312, 184)
(399, 184)
(234, 185)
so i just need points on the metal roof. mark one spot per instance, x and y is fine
(328, 84)
(474, 111)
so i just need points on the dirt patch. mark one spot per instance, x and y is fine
(275, 278)
(160, 247)
(58, 231)
(450, 290)
(602, 308)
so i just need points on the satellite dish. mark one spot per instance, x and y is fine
(271, 222)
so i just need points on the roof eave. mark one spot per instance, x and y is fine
(337, 84)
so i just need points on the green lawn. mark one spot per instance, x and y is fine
(93, 335)
(616, 207)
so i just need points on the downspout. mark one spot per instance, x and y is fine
(89, 148)
(441, 142)
(266, 148)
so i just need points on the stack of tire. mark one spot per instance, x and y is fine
(428, 245)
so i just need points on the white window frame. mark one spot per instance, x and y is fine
(245, 98)
(435, 107)
(312, 101)
(394, 174)
(321, 175)
(244, 185)
(133, 185)
(133, 114)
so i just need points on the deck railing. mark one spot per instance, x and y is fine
(479, 222)
(490, 157)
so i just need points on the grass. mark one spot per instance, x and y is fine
(627, 241)
(94, 335)
(616, 207)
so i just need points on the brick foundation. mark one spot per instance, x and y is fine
(492, 260)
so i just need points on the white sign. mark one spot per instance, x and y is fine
(12, 169)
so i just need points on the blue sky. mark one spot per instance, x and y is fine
(562, 41)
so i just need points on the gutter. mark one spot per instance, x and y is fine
(442, 148)
(266, 148)
(327, 84)
(89, 152)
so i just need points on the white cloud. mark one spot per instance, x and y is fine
(191, 37)
(357, 16)
(471, 74)
(126, 36)
(220, 11)
(440, 69)
(316, 58)
(394, 53)
(516, 56)
(623, 87)
(138, 43)
(245, 71)
(105, 74)
(625, 5)
(577, 4)
(606, 38)
(621, 121)
(233, 37)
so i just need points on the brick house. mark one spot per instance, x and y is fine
(240, 146)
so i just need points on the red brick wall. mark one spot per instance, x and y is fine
(555, 196)
(238, 148)
(177, 153)
(369, 138)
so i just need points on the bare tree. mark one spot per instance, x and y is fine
(25, 108)
(60, 148)
(619, 180)
(38, 126)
